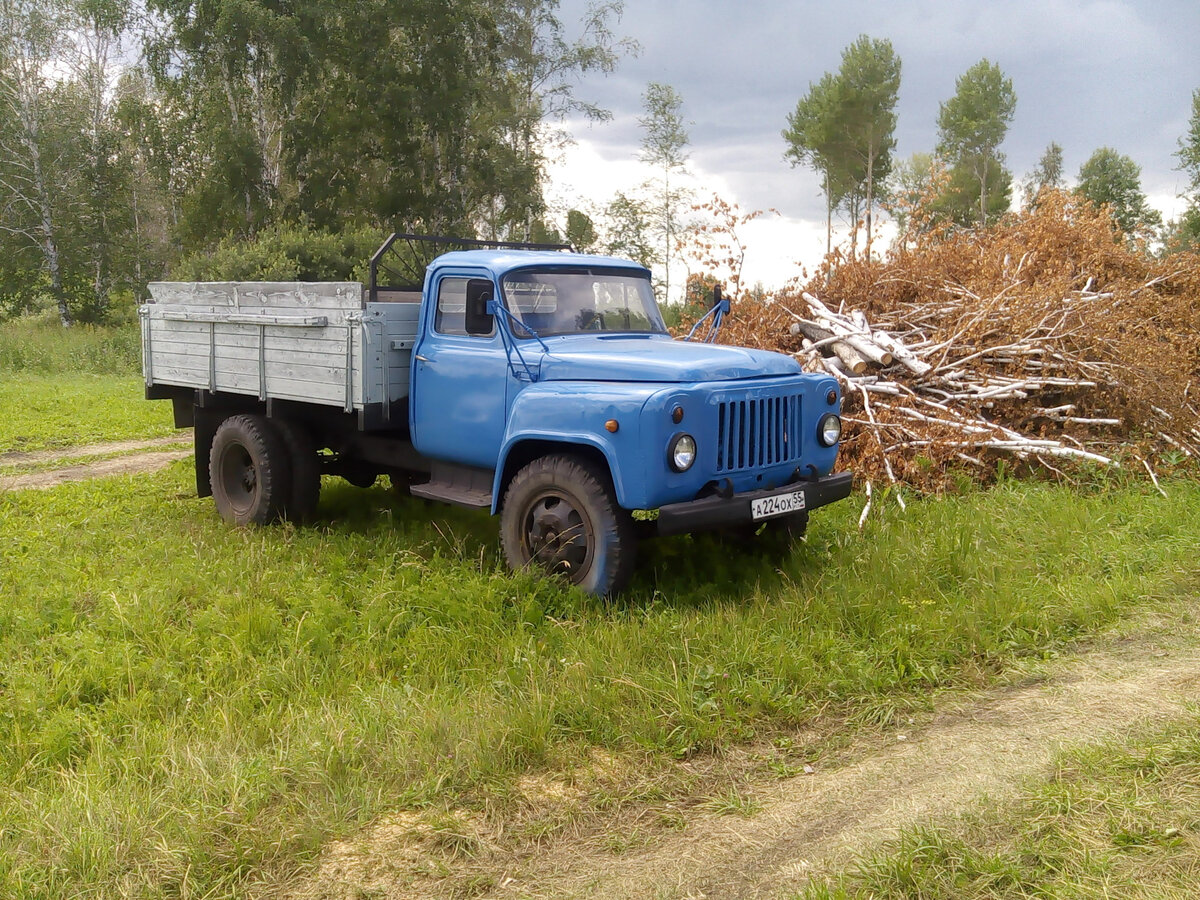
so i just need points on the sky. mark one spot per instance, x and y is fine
(1086, 75)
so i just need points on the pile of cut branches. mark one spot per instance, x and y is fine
(1046, 340)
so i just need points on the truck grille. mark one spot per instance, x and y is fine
(758, 432)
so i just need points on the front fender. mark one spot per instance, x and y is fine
(575, 413)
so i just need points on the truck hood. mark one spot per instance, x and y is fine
(621, 358)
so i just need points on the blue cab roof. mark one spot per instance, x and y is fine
(498, 262)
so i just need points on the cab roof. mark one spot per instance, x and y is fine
(501, 261)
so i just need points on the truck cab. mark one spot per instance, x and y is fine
(542, 385)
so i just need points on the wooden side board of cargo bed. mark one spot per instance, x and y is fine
(301, 341)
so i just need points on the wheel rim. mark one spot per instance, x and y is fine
(557, 535)
(239, 478)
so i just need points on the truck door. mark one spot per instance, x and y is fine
(459, 380)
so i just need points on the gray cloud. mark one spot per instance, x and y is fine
(1087, 74)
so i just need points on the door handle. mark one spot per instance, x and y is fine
(421, 358)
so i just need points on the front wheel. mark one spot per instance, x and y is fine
(560, 515)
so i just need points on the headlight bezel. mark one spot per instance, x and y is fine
(673, 448)
(823, 429)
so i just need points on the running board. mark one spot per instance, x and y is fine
(461, 485)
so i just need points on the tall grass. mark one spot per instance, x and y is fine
(192, 709)
(41, 347)
(61, 387)
(40, 412)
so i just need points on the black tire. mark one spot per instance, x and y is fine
(560, 515)
(301, 505)
(250, 471)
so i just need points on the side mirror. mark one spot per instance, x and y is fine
(479, 295)
(718, 302)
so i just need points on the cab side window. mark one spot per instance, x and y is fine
(450, 316)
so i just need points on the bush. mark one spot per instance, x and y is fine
(40, 345)
(285, 253)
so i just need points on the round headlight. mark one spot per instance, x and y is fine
(829, 431)
(682, 452)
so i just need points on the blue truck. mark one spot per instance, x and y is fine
(531, 381)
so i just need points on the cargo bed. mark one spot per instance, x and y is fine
(306, 342)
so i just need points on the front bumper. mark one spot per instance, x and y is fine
(720, 512)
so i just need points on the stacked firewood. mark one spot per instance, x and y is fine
(954, 359)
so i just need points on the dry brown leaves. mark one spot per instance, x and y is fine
(1048, 327)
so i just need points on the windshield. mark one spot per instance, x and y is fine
(575, 301)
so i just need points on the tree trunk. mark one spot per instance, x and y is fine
(983, 196)
(49, 241)
(870, 199)
(828, 217)
(667, 234)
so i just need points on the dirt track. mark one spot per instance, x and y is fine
(82, 463)
(809, 824)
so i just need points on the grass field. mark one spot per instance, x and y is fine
(1115, 820)
(67, 388)
(192, 709)
(44, 412)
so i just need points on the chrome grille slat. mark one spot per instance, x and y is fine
(757, 431)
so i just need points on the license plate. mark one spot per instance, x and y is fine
(777, 505)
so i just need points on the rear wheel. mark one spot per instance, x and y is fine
(250, 471)
(305, 493)
(560, 515)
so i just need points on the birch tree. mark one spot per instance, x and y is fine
(545, 66)
(973, 124)
(844, 129)
(870, 86)
(816, 139)
(664, 145)
(1111, 179)
(32, 39)
(1047, 174)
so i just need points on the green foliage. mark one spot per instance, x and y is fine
(541, 232)
(285, 253)
(1111, 179)
(815, 140)
(844, 128)
(1184, 233)
(664, 145)
(971, 126)
(959, 200)
(74, 232)
(911, 183)
(665, 138)
(630, 234)
(1047, 174)
(248, 114)
(1189, 144)
(869, 77)
(581, 231)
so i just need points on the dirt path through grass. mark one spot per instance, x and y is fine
(815, 823)
(46, 468)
